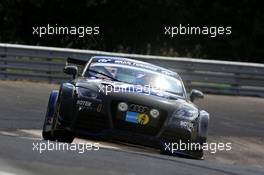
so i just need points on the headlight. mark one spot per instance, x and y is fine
(83, 92)
(154, 113)
(122, 106)
(186, 113)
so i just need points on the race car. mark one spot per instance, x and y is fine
(126, 100)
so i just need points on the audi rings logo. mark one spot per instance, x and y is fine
(138, 108)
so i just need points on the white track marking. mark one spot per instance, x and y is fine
(6, 173)
(119, 146)
(34, 132)
(8, 134)
(101, 144)
(36, 135)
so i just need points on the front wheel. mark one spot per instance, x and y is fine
(47, 125)
(60, 134)
(46, 134)
(64, 136)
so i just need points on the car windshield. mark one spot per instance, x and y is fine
(135, 76)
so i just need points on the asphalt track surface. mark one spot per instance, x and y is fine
(239, 120)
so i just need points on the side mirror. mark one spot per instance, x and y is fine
(196, 94)
(71, 70)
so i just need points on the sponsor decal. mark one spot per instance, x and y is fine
(143, 119)
(132, 117)
(186, 124)
(84, 103)
(137, 118)
(104, 60)
(138, 108)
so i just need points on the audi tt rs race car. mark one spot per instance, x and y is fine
(127, 100)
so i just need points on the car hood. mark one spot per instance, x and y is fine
(152, 97)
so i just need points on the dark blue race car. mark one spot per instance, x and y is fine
(127, 100)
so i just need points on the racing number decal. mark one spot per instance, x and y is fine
(143, 119)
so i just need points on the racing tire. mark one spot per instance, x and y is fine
(60, 134)
(203, 122)
(198, 154)
(163, 152)
(64, 136)
(46, 134)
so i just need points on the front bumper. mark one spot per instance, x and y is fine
(107, 122)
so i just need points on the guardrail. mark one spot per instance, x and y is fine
(22, 62)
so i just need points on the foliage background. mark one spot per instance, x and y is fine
(137, 26)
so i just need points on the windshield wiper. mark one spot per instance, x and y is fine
(97, 72)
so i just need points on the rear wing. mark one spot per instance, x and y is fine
(76, 61)
(80, 63)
